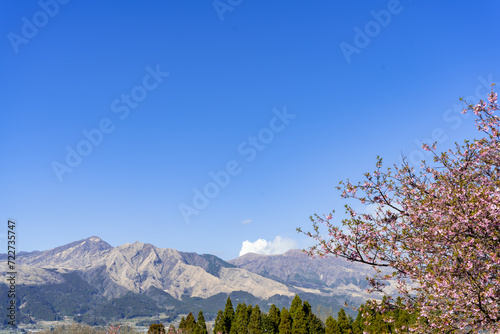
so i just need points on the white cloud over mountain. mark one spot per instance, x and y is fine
(278, 246)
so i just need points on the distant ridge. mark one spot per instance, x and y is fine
(80, 278)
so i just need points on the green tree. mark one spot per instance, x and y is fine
(255, 323)
(307, 308)
(240, 321)
(171, 330)
(285, 326)
(249, 313)
(299, 324)
(275, 317)
(202, 326)
(332, 327)
(228, 315)
(296, 305)
(344, 322)
(219, 323)
(370, 319)
(359, 324)
(189, 324)
(402, 317)
(315, 325)
(156, 329)
(268, 324)
(182, 323)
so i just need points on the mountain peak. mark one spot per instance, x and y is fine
(73, 255)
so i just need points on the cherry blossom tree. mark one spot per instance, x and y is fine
(435, 230)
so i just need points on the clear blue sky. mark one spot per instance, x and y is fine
(355, 81)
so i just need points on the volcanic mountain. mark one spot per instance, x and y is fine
(92, 280)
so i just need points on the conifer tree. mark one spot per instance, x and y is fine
(402, 317)
(268, 324)
(332, 327)
(255, 322)
(307, 308)
(182, 323)
(219, 323)
(299, 324)
(388, 322)
(275, 317)
(240, 321)
(344, 322)
(285, 326)
(228, 315)
(202, 326)
(296, 305)
(249, 313)
(189, 325)
(315, 325)
(359, 324)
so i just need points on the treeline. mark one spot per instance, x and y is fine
(187, 325)
(298, 319)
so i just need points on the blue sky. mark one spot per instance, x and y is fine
(281, 99)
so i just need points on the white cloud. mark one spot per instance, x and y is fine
(246, 221)
(278, 246)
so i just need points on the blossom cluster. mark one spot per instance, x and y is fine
(437, 229)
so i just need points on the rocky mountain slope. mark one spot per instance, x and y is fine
(137, 267)
(296, 268)
(91, 279)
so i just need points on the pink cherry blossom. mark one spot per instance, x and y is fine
(436, 229)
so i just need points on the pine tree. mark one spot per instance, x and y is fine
(255, 323)
(249, 313)
(332, 327)
(376, 323)
(402, 317)
(358, 325)
(307, 308)
(219, 323)
(228, 315)
(202, 326)
(296, 305)
(285, 326)
(343, 322)
(299, 324)
(240, 321)
(275, 317)
(189, 325)
(182, 323)
(315, 325)
(268, 324)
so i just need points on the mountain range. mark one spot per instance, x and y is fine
(94, 282)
